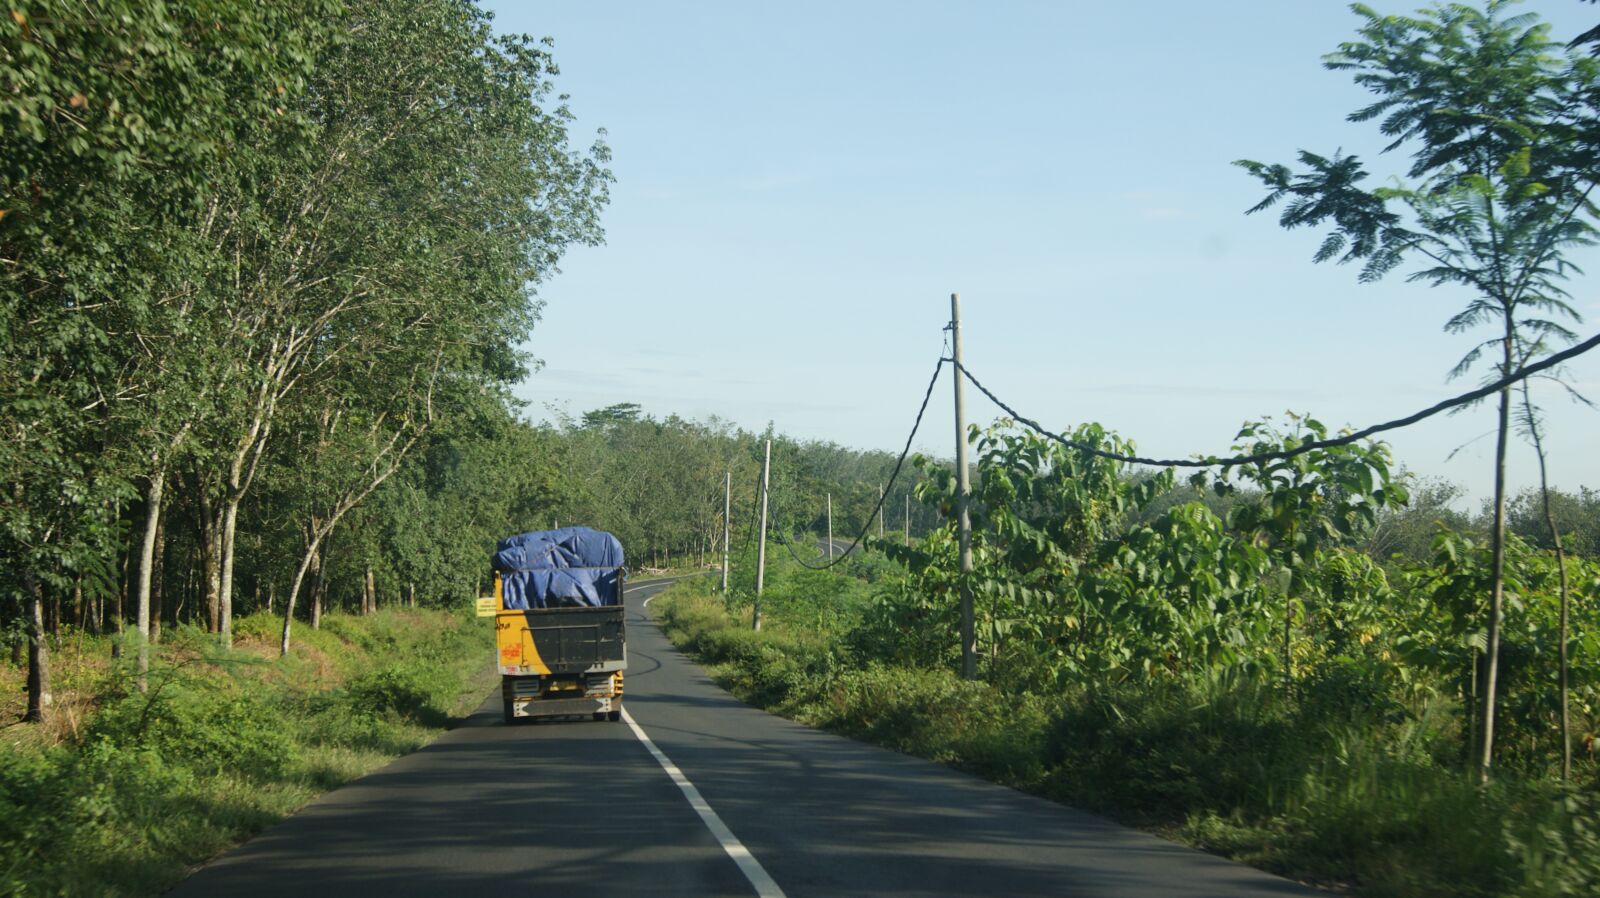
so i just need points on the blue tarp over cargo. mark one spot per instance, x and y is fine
(562, 568)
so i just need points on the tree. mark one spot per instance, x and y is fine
(1492, 115)
(1307, 506)
(620, 413)
(1407, 532)
(1590, 37)
(1531, 425)
(437, 190)
(113, 117)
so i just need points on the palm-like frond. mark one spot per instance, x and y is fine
(1503, 150)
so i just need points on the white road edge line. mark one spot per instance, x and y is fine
(748, 865)
(653, 597)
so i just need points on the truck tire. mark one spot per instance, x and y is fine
(614, 716)
(511, 714)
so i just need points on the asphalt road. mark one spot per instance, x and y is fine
(840, 547)
(586, 808)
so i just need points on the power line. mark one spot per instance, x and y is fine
(1212, 461)
(783, 537)
(755, 505)
(1205, 462)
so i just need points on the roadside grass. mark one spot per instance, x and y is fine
(1368, 800)
(144, 786)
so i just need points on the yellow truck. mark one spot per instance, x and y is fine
(560, 635)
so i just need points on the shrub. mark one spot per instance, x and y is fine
(411, 691)
(221, 746)
(209, 729)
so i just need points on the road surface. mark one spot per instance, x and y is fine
(739, 802)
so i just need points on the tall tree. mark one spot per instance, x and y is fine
(1492, 114)
(438, 189)
(113, 117)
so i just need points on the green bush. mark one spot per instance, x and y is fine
(1355, 780)
(206, 729)
(221, 746)
(413, 691)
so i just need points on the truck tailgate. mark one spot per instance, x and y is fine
(561, 640)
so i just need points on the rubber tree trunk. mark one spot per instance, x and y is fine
(308, 561)
(158, 577)
(230, 521)
(147, 554)
(211, 560)
(38, 654)
(319, 590)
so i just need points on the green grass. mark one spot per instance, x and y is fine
(144, 786)
(1367, 798)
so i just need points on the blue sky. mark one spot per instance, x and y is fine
(801, 186)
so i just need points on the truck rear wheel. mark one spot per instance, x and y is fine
(510, 712)
(614, 716)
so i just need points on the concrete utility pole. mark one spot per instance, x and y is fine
(727, 506)
(761, 547)
(830, 526)
(969, 648)
(880, 511)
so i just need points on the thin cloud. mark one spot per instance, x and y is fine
(765, 183)
(1138, 389)
(662, 353)
(578, 378)
(1163, 213)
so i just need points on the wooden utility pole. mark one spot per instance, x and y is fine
(830, 527)
(727, 506)
(880, 511)
(908, 519)
(969, 653)
(761, 546)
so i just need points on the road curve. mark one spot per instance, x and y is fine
(584, 808)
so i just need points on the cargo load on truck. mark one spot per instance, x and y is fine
(559, 569)
(559, 627)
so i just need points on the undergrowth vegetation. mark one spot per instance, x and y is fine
(1239, 671)
(142, 786)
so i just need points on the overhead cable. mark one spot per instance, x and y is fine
(899, 462)
(1212, 461)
